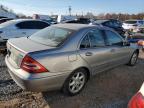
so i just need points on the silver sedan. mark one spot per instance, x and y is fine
(65, 56)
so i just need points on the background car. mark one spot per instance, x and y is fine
(111, 23)
(135, 37)
(81, 21)
(140, 29)
(132, 25)
(137, 101)
(20, 28)
(65, 56)
(51, 21)
(2, 20)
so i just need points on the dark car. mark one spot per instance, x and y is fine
(81, 21)
(134, 38)
(2, 20)
(112, 23)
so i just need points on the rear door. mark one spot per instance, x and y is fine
(120, 53)
(94, 51)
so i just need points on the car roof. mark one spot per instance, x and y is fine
(133, 20)
(21, 20)
(73, 26)
(101, 21)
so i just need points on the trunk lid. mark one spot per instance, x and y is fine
(18, 48)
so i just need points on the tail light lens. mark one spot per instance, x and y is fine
(137, 101)
(140, 43)
(32, 66)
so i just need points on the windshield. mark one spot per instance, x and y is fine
(51, 36)
(131, 22)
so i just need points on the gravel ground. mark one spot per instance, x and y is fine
(110, 89)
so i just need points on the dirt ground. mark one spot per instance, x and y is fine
(110, 89)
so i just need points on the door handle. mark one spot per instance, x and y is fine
(88, 53)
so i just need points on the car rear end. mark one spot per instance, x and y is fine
(137, 100)
(31, 61)
(130, 25)
(28, 72)
(134, 25)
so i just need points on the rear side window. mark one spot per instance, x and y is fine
(52, 36)
(113, 38)
(96, 38)
(32, 25)
(85, 43)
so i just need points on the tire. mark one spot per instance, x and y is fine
(75, 82)
(133, 59)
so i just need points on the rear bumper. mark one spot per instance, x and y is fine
(50, 82)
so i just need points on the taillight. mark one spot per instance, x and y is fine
(137, 101)
(140, 43)
(32, 66)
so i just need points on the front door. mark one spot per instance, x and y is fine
(120, 52)
(94, 51)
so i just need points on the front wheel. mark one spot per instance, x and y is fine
(75, 82)
(133, 59)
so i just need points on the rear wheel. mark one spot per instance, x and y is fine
(75, 82)
(133, 59)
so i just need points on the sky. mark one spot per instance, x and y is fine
(52, 7)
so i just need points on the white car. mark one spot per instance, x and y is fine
(133, 25)
(20, 28)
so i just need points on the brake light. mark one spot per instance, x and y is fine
(32, 66)
(137, 101)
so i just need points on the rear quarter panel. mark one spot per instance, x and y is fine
(60, 62)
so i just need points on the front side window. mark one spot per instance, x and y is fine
(113, 38)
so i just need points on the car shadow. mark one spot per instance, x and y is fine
(111, 88)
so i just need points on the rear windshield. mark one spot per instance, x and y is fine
(131, 22)
(51, 36)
